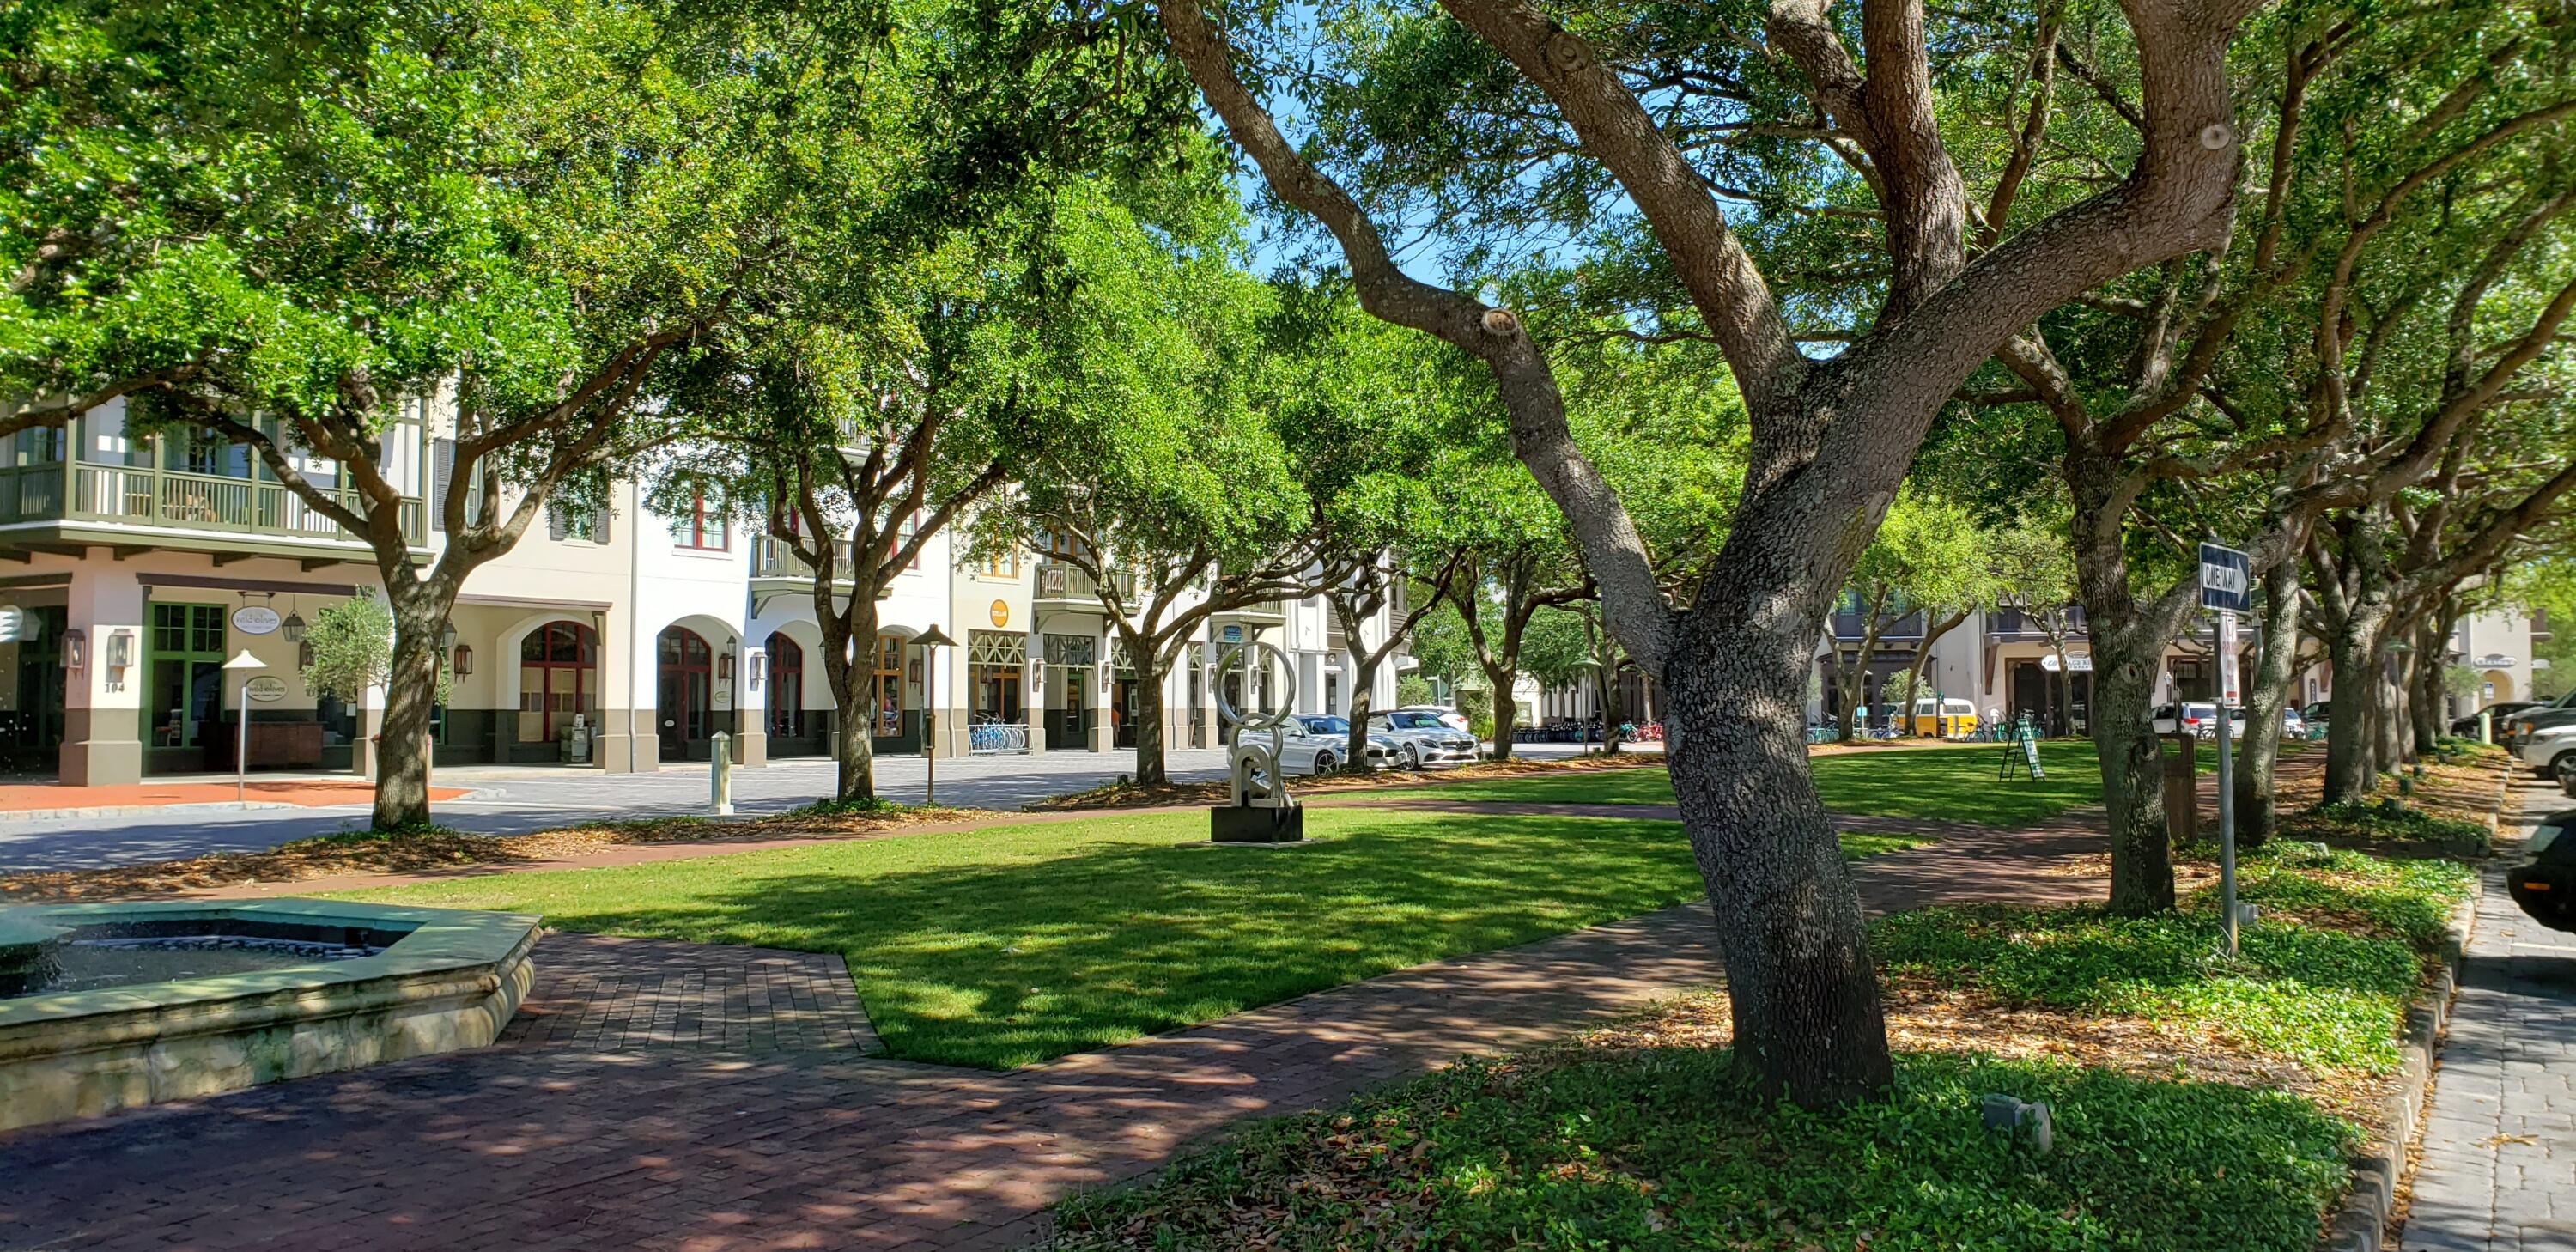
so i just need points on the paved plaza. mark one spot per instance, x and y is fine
(2498, 1166)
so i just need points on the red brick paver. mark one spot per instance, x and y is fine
(641, 1105)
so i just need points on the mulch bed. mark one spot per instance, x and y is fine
(441, 851)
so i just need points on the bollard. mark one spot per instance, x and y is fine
(720, 775)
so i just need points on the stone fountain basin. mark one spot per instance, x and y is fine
(451, 981)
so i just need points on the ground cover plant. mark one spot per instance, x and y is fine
(1011, 944)
(2199, 1105)
(1955, 783)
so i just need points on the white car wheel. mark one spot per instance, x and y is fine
(2563, 766)
(1323, 764)
(1412, 757)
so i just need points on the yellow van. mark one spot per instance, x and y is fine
(1943, 719)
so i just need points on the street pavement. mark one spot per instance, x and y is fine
(2498, 1165)
(516, 800)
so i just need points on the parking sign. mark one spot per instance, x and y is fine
(2226, 579)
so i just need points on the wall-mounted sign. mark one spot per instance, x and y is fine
(1001, 613)
(2493, 660)
(2074, 664)
(252, 619)
(266, 689)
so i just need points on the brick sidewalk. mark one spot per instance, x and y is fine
(2497, 1171)
(644, 1105)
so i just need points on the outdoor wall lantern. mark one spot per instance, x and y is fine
(292, 628)
(120, 648)
(464, 660)
(754, 659)
(75, 649)
(724, 668)
(304, 655)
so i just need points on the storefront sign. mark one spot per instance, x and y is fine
(1001, 613)
(2074, 664)
(2493, 660)
(253, 619)
(266, 689)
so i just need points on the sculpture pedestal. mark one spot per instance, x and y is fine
(1243, 823)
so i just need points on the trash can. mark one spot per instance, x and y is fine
(575, 742)
(2182, 790)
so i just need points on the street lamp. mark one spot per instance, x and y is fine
(244, 663)
(930, 640)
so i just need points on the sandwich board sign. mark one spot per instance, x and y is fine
(2226, 579)
(2022, 750)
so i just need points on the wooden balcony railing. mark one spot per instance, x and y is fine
(72, 491)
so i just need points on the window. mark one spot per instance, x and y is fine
(567, 520)
(1003, 564)
(786, 688)
(902, 535)
(187, 669)
(1058, 543)
(702, 527)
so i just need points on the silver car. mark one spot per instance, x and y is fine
(1314, 743)
(1421, 739)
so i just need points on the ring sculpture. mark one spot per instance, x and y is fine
(1259, 808)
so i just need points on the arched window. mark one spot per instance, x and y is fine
(889, 672)
(786, 687)
(556, 679)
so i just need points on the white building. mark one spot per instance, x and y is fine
(136, 567)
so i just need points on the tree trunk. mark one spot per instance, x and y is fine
(2352, 653)
(1507, 711)
(1802, 990)
(2392, 720)
(1148, 662)
(411, 696)
(854, 694)
(2267, 694)
(2432, 649)
(2142, 879)
(1363, 691)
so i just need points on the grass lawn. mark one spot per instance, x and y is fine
(1017, 943)
(2199, 1105)
(1952, 783)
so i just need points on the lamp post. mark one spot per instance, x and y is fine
(244, 663)
(931, 641)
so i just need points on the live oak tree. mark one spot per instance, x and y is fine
(2231, 396)
(1830, 438)
(407, 209)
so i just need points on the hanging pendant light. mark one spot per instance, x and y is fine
(293, 626)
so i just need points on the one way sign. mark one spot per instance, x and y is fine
(2226, 578)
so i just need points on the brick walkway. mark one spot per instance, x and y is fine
(641, 1104)
(2498, 1165)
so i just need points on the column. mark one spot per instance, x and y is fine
(103, 703)
(1104, 731)
(627, 742)
(750, 705)
(1033, 701)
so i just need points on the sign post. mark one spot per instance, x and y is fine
(2225, 582)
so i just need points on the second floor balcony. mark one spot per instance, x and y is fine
(774, 561)
(2010, 622)
(1065, 586)
(84, 502)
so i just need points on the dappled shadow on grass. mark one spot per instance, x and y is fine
(1662, 1148)
(1004, 961)
(1952, 784)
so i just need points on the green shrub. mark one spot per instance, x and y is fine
(2390, 818)
(1663, 1149)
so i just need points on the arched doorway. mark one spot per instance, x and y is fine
(558, 681)
(686, 695)
(792, 731)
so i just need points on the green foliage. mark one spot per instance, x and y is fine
(1412, 689)
(352, 642)
(2388, 818)
(1665, 1148)
(2325, 997)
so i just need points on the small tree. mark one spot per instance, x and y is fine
(353, 650)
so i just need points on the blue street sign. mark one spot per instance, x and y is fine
(2226, 579)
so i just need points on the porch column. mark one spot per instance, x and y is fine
(102, 703)
(750, 705)
(627, 741)
(1104, 730)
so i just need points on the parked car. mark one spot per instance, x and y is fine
(1451, 718)
(1952, 719)
(2498, 714)
(2531, 721)
(2193, 717)
(1421, 738)
(2551, 751)
(2315, 714)
(1313, 743)
(2293, 726)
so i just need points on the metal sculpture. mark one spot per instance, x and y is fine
(1259, 808)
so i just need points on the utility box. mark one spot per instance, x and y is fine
(575, 742)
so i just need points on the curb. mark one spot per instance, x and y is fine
(193, 806)
(2360, 1223)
